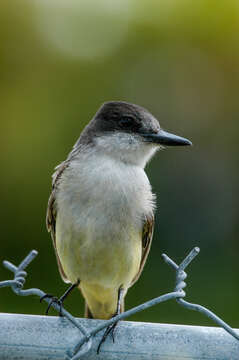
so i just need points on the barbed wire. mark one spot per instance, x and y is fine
(85, 342)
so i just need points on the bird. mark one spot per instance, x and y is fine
(101, 209)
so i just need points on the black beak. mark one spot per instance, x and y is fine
(165, 138)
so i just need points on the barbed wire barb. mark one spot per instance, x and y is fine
(180, 284)
(18, 282)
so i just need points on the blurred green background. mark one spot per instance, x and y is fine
(59, 60)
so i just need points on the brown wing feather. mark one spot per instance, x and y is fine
(52, 214)
(147, 235)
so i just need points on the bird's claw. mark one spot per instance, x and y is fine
(109, 330)
(55, 300)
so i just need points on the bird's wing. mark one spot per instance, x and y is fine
(52, 214)
(147, 235)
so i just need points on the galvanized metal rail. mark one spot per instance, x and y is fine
(143, 341)
(32, 337)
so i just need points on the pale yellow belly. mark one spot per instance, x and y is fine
(102, 266)
(100, 260)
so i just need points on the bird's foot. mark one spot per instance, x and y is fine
(59, 301)
(109, 330)
(55, 300)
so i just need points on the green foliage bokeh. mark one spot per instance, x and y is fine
(58, 62)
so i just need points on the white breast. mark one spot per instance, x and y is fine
(100, 207)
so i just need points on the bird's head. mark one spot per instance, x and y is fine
(128, 132)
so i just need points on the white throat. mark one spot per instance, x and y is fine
(128, 148)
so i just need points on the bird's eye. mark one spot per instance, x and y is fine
(126, 121)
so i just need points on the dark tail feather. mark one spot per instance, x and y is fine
(88, 312)
(122, 306)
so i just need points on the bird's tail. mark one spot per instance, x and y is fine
(88, 312)
(89, 315)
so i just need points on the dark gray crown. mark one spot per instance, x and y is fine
(120, 116)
